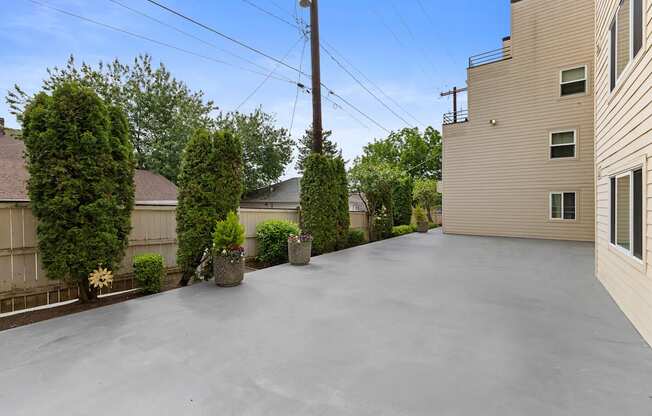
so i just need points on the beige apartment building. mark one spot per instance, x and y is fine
(520, 162)
(623, 152)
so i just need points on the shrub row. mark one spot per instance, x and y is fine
(403, 229)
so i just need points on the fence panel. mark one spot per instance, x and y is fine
(23, 281)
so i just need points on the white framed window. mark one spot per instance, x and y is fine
(626, 212)
(563, 206)
(563, 144)
(626, 37)
(573, 81)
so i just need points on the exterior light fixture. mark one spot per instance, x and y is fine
(304, 3)
(493, 122)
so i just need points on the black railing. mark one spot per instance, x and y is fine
(454, 117)
(496, 55)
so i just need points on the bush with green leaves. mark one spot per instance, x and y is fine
(319, 203)
(210, 186)
(229, 234)
(81, 184)
(355, 237)
(149, 272)
(272, 237)
(425, 194)
(403, 229)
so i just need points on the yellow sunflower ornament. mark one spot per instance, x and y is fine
(101, 278)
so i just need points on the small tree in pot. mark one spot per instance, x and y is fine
(228, 251)
(421, 219)
(299, 249)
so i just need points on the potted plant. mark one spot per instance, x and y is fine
(299, 249)
(228, 251)
(421, 219)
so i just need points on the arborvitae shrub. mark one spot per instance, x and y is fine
(149, 271)
(81, 185)
(341, 186)
(272, 238)
(210, 186)
(402, 201)
(319, 203)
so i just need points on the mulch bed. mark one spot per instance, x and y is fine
(31, 317)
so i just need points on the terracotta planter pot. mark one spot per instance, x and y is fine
(227, 274)
(299, 252)
(422, 227)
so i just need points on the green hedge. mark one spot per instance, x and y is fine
(355, 238)
(403, 229)
(382, 227)
(149, 271)
(272, 237)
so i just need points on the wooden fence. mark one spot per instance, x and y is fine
(24, 283)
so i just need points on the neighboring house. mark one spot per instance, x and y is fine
(623, 163)
(520, 162)
(287, 195)
(151, 189)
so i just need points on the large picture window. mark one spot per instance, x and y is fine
(562, 206)
(626, 212)
(625, 37)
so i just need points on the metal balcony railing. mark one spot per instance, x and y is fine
(496, 55)
(454, 117)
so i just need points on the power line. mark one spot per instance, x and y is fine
(251, 48)
(364, 86)
(338, 63)
(142, 37)
(259, 86)
(296, 95)
(190, 35)
(373, 84)
(223, 35)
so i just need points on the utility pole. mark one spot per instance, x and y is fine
(454, 93)
(317, 139)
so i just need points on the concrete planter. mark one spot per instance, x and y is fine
(422, 226)
(228, 272)
(299, 252)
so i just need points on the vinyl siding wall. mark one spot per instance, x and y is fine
(497, 179)
(623, 141)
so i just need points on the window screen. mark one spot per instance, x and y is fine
(637, 26)
(569, 205)
(612, 211)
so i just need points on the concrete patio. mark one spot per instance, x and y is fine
(417, 325)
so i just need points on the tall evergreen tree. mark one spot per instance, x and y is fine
(210, 186)
(81, 185)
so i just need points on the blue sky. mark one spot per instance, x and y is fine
(411, 51)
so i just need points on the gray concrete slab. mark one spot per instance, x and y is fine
(418, 325)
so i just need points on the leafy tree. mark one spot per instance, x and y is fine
(425, 195)
(375, 182)
(319, 201)
(267, 150)
(162, 112)
(81, 184)
(304, 147)
(417, 153)
(210, 186)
